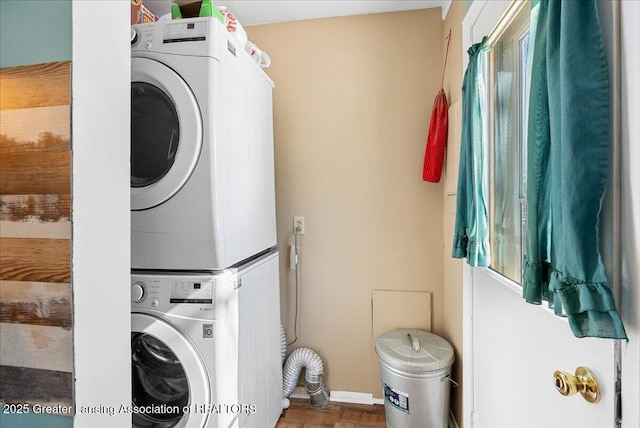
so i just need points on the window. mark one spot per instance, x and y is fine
(508, 126)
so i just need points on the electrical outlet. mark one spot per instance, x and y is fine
(298, 225)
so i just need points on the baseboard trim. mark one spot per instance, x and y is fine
(354, 398)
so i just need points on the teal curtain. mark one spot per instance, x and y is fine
(471, 232)
(568, 165)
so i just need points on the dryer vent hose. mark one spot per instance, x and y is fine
(312, 363)
(283, 344)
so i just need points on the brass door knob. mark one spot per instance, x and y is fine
(583, 382)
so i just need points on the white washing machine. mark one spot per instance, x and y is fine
(184, 349)
(202, 168)
(205, 348)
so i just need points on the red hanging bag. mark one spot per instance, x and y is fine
(438, 131)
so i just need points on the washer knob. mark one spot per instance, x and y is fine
(137, 292)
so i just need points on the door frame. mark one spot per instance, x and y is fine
(630, 216)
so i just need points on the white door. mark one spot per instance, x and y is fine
(516, 348)
(512, 348)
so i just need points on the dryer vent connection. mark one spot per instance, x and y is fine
(308, 359)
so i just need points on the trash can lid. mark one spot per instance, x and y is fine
(414, 351)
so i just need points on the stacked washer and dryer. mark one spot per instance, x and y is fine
(205, 310)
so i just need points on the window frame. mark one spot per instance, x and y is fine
(511, 36)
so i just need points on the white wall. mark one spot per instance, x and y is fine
(101, 262)
(351, 109)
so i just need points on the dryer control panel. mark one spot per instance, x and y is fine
(201, 36)
(193, 31)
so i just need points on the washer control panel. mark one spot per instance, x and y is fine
(200, 292)
(191, 292)
(201, 296)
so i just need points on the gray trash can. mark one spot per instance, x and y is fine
(415, 366)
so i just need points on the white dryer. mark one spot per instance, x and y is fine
(205, 348)
(202, 168)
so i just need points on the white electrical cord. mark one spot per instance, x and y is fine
(295, 320)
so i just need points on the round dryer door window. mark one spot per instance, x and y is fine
(167, 374)
(166, 133)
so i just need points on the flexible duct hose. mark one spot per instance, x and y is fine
(283, 344)
(308, 359)
(283, 354)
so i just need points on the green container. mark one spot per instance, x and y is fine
(207, 8)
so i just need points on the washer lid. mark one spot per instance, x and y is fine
(414, 351)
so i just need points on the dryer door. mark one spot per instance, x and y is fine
(166, 133)
(168, 376)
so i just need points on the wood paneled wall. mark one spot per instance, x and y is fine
(36, 353)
